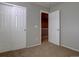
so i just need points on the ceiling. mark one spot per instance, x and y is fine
(46, 4)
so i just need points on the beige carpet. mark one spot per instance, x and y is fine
(44, 50)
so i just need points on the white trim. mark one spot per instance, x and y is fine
(70, 48)
(40, 21)
(29, 46)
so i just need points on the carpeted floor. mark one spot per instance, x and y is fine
(44, 50)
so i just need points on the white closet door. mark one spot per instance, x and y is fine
(12, 26)
(5, 28)
(19, 27)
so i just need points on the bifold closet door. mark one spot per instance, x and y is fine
(12, 27)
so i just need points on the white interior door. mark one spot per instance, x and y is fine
(12, 27)
(18, 27)
(54, 26)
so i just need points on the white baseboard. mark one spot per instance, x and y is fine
(33, 45)
(53, 43)
(70, 48)
(11, 50)
(4, 51)
(20, 48)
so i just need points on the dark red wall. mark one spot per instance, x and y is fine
(44, 20)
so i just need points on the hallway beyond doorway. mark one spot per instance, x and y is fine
(44, 26)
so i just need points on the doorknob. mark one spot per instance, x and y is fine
(25, 30)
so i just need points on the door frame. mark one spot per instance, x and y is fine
(40, 22)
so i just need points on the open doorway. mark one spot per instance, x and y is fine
(44, 27)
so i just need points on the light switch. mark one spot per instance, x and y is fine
(36, 26)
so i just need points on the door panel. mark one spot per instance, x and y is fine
(54, 27)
